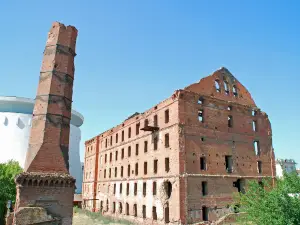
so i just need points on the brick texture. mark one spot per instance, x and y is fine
(208, 139)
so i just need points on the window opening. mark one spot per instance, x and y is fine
(144, 211)
(144, 188)
(228, 163)
(137, 128)
(136, 169)
(226, 87)
(256, 148)
(259, 167)
(154, 187)
(167, 164)
(200, 116)
(217, 86)
(230, 121)
(155, 142)
(145, 168)
(167, 116)
(204, 213)
(136, 149)
(127, 189)
(167, 142)
(254, 125)
(128, 171)
(145, 146)
(202, 163)
(234, 90)
(121, 171)
(129, 132)
(116, 138)
(122, 135)
(154, 214)
(135, 188)
(155, 166)
(129, 151)
(204, 188)
(155, 121)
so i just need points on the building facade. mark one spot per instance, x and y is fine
(15, 126)
(285, 165)
(181, 161)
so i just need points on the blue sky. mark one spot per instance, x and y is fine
(133, 54)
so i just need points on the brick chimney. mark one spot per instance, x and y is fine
(46, 183)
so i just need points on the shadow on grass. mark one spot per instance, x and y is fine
(99, 217)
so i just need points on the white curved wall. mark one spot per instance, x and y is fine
(14, 138)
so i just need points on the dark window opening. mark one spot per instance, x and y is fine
(204, 213)
(256, 148)
(167, 141)
(155, 121)
(137, 131)
(105, 158)
(135, 188)
(146, 123)
(114, 188)
(167, 164)
(204, 188)
(200, 100)
(254, 112)
(127, 189)
(121, 171)
(120, 208)
(121, 188)
(200, 116)
(217, 86)
(145, 146)
(129, 132)
(240, 185)
(127, 209)
(128, 171)
(116, 155)
(154, 214)
(129, 151)
(116, 171)
(144, 188)
(122, 153)
(167, 219)
(261, 184)
(122, 135)
(135, 210)
(116, 138)
(234, 90)
(228, 163)
(154, 187)
(110, 140)
(105, 173)
(137, 149)
(202, 163)
(145, 168)
(136, 169)
(144, 211)
(114, 207)
(229, 108)
(230, 121)
(106, 143)
(155, 143)
(167, 116)
(109, 172)
(110, 157)
(168, 188)
(259, 167)
(155, 166)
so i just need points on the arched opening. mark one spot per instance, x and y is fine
(226, 87)
(168, 188)
(217, 86)
(234, 90)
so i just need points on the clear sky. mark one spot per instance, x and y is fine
(134, 54)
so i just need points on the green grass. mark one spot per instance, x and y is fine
(99, 217)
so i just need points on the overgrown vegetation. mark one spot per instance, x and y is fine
(264, 204)
(97, 217)
(8, 171)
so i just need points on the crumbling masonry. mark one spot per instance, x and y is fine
(181, 161)
(46, 187)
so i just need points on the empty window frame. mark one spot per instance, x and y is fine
(167, 141)
(129, 132)
(259, 167)
(129, 151)
(127, 189)
(136, 169)
(230, 121)
(202, 163)
(144, 188)
(128, 170)
(167, 164)
(155, 166)
(154, 187)
(135, 210)
(116, 171)
(111, 140)
(204, 188)
(234, 91)
(154, 213)
(117, 137)
(217, 86)
(204, 213)
(105, 158)
(122, 135)
(121, 188)
(144, 211)
(136, 149)
(135, 189)
(155, 143)
(228, 163)
(116, 156)
(155, 123)
(145, 168)
(104, 173)
(106, 143)
(167, 116)
(122, 153)
(114, 207)
(256, 148)
(110, 157)
(137, 128)
(226, 87)
(254, 125)
(145, 146)
(127, 209)
(115, 186)
(109, 172)
(200, 115)
(122, 169)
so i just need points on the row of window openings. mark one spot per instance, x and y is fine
(154, 189)
(155, 166)
(155, 146)
(230, 120)
(155, 123)
(226, 88)
(154, 213)
(228, 164)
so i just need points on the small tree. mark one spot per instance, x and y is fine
(263, 204)
(8, 171)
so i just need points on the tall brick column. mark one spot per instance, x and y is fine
(46, 182)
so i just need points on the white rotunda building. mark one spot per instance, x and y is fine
(15, 125)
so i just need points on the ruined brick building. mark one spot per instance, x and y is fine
(181, 161)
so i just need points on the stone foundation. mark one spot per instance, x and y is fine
(38, 193)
